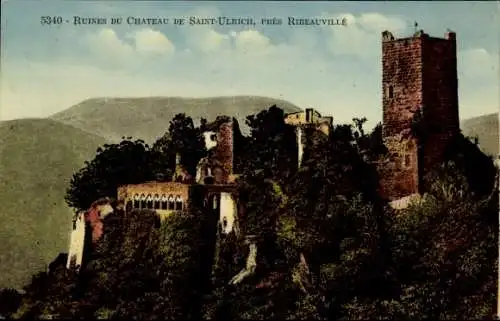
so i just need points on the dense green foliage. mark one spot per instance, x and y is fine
(128, 162)
(140, 269)
(328, 246)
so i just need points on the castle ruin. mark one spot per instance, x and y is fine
(305, 118)
(213, 189)
(214, 177)
(420, 108)
(420, 116)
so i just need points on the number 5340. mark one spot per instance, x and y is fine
(47, 20)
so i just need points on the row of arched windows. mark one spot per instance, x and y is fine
(157, 202)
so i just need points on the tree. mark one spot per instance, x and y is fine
(331, 218)
(163, 158)
(10, 300)
(327, 247)
(445, 251)
(272, 145)
(129, 162)
(186, 140)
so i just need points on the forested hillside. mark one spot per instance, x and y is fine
(328, 247)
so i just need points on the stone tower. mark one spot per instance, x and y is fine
(419, 81)
(225, 148)
(219, 141)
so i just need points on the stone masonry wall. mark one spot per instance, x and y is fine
(126, 193)
(399, 175)
(402, 97)
(440, 96)
(401, 74)
(225, 148)
(418, 73)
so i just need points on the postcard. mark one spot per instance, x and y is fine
(249, 160)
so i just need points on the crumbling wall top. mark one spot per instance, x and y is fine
(450, 35)
(387, 36)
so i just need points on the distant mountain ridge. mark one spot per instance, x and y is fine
(148, 117)
(485, 128)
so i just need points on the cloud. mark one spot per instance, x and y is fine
(106, 46)
(251, 42)
(361, 37)
(114, 51)
(152, 41)
(205, 39)
(376, 23)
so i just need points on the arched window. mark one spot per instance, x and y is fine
(171, 202)
(156, 200)
(150, 201)
(137, 201)
(164, 202)
(178, 203)
(129, 206)
(143, 201)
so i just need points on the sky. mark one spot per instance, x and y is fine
(334, 69)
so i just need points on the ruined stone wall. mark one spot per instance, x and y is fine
(128, 192)
(300, 144)
(315, 116)
(401, 98)
(440, 90)
(299, 118)
(295, 118)
(418, 74)
(325, 125)
(228, 213)
(300, 122)
(166, 198)
(94, 218)
(224, 149)
(401, 83)
(399, 175)
(77, 241)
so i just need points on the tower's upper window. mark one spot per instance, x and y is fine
(390, 92)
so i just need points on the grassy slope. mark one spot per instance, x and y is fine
(486, 129)
(148, 117)
(37, 159)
